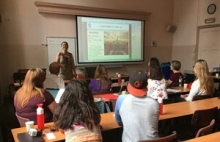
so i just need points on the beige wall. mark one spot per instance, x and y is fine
(24, 30)
(188, 15)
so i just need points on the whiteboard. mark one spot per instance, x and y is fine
(54, 47)
(209, 46)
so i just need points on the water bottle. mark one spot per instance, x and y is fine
(160, 101)
(180, 81)
(119, 78)
(40, 116)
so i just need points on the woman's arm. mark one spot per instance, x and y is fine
(194, 90)
(168, 83)
(58, 58)
(52, 106)
(73, 67)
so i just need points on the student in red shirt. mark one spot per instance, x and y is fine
(174, 78)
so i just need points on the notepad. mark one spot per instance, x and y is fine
(25, 137)
(173, 90)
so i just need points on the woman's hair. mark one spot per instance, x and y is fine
(101, 72)
(33, 83)
(154, 62)
(176, 65)
(65, 43)
(205, 78)
(156, 73)
(76, 106)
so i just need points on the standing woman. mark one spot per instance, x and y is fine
(31, 94)
(66, 61)
(101, 83)
(77, 114)
(204, 84)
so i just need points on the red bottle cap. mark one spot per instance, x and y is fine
(39, 105)
(160, 95)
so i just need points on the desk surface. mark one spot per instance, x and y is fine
(170, 111)
(215, 137)
(107, 123)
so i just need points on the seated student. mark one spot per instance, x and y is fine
(204, 84)
(156, 83)
(52, 79)
(174, 78)
(31, 94)
(77, 113)
(152, 63)
(101, 83)
(137, 112)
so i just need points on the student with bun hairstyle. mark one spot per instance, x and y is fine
(204, 84)
(32, 93)
(77, 114)
(174, 78)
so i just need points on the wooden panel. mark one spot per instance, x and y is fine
(44, 7)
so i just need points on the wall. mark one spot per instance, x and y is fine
(184, 39)
(188, 16)
(24, 30)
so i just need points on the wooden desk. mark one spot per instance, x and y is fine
(107, 123)
(106, 97)
(170, 111)
(183, 91)
(215, 137)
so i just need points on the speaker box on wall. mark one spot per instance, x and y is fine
(171, 28)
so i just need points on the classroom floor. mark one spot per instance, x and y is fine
(9, 122)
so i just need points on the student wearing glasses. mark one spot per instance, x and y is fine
(203, 85)
(66, 61)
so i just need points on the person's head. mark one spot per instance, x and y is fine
(156, 73)
(64, 46)
(101, 72)
(54, 68)
(33, 83)
(76, 106)
(137, 85)
(175, 65)
(201, 70)
(153, 62)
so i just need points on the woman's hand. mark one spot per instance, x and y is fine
(183, 96)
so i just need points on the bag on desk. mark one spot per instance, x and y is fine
(102, 106)
(189, 85)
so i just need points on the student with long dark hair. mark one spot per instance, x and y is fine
(156, 83)
(77, 114)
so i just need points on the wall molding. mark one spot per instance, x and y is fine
(56, 8)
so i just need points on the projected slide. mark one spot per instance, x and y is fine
(109, 40)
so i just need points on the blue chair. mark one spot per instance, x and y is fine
(53, 92)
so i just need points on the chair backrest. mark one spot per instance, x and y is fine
(112, 103)
(201, 97)
(21, 120)
(202, 118)
(168, 101)
(170, 138)
(206, 130)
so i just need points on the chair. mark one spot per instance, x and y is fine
(170, 138)
(200, 119)
(201, 97)
(168, 101)
(206, 130)
(112, 103)
(21, 120)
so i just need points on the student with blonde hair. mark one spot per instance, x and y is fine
(101, 83)
(31, 94)
(204, 84)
